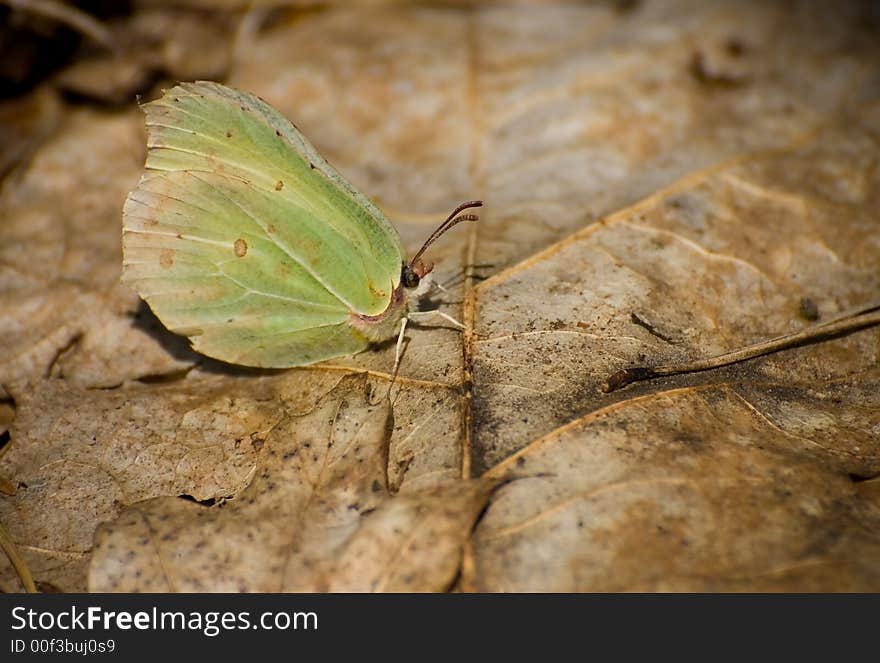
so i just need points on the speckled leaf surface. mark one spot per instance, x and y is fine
(663, 181)
(317, 516)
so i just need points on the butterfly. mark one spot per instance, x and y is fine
(243, 238)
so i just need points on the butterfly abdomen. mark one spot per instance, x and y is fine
(377, 328)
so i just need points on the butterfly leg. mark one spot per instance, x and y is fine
(399, 347)
(458, 276)
(416, 316)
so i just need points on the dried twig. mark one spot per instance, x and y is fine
(843, 324)
(71, 16)
(17, 561)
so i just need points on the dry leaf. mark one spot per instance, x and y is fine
(79, 457)
(174, 42)
(664, 181)
(317, 516)
(24, 123)
(719, 260)
(721, 487)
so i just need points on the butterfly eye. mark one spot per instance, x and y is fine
(408, 277)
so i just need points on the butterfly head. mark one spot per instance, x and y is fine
(417, 277)
(411, 275)
(417, 272)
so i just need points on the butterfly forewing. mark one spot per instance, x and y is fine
(240, 235)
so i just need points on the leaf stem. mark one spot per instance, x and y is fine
(18, 563)
(846, 323)
(71, 16)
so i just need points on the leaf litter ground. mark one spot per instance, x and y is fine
(663, 184)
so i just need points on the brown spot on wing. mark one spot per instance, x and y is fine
(279, 185)
(240, 247)
(166, 258)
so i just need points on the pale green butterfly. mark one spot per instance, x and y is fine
(242, 237)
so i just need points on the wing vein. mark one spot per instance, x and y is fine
(299, 201)
(278, 333)
(181, 236)
(348, 195)
(274, 241)
(247, 290)
(323, 212)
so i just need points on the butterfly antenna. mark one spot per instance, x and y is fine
(452, 220)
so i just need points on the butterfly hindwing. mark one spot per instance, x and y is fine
(242, 237)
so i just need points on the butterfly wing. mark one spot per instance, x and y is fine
(242, 237)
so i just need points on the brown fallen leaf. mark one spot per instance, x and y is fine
(637, 212)
(169, 42)
(318, 516)
(720, 487)
(78, 457)
(61, 258)
(25, 122)
(718, 261)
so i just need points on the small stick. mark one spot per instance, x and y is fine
(848, 322)
(71, 16)
(18, 563)
(416, 315)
